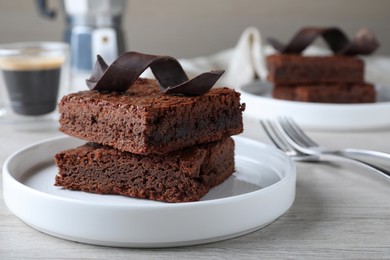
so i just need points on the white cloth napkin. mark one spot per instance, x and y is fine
(246, 62)
(377, 70)
(242, 64)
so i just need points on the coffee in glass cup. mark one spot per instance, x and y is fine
(33, 75)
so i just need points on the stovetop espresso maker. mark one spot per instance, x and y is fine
(92, 27)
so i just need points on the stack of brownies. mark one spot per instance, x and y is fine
(338, 78)
(323, 79)
(145, 144)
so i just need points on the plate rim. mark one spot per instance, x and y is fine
(53, 214)
(290, 165)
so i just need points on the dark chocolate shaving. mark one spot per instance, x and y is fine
(363, 43)
(127, 68)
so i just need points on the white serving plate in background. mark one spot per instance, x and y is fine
(318, 116)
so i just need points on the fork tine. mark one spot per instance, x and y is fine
(273, 134)
(280, 139)
(295, 132)
(290, 137)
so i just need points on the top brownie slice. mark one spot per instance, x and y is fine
(291, 69)
(143, 120)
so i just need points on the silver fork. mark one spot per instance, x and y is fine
(283, 142)
(297, 138)
(307, 145)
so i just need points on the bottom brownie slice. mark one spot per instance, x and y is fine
(327, 93)
(180, 176)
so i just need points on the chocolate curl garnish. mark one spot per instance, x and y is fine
(127, 68)
(363, 43)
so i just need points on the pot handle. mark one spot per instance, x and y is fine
(44, 10)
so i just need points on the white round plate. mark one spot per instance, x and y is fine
(318, 116)
(260, 191)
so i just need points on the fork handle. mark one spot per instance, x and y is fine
(350, 152)
(377, 169)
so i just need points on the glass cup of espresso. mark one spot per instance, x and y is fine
(34, 76)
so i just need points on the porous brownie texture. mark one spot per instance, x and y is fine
(145, 121)
(327, 93)
(284, 69)
(181, 176)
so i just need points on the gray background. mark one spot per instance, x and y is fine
(186, 29)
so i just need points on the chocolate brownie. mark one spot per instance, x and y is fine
(323, 93)
(180, 176)
(285, 69)
(145, 121)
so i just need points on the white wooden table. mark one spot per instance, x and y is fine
(340, 212)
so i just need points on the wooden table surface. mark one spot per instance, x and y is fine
(340, 212)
